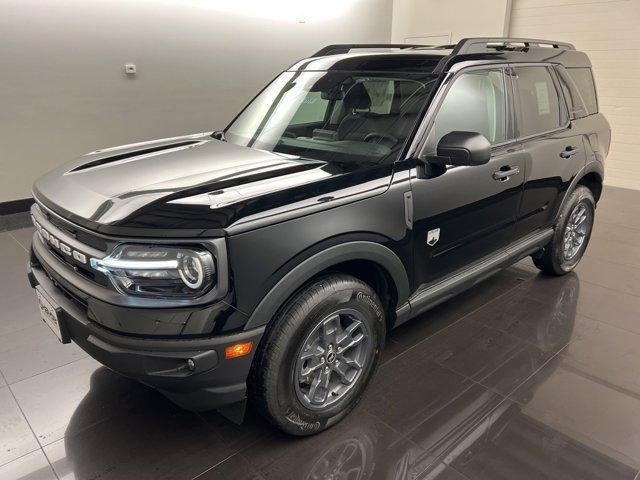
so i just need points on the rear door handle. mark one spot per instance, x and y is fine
(504, 175)
(569, 152)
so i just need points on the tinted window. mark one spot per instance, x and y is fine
(584, 81)
(539, 102)
(571, 94)
(475, 103)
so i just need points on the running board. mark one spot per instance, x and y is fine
(441, 291)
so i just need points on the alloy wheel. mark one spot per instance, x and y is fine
(332, 359)
(576, 231)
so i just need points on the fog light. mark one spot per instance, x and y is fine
(238, 350)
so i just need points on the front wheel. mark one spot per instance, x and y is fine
(571, 236)
(318, 355)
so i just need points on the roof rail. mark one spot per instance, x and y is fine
(481, 44)
(345, 47)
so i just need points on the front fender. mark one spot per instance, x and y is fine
(356, 250)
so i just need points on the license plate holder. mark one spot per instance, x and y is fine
(51, 315)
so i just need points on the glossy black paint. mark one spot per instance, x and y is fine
(279, 214)
(211, 380)
(463, 149)
(474, 212)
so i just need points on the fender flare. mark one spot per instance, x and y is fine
(591, 167)
(357, 250)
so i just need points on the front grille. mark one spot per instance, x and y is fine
(79, 302)
(65, 241)
(81, 235)
(86, 272)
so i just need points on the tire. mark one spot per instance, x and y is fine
(553, 260)
(308, 329)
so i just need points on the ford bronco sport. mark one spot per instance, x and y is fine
(363, 186)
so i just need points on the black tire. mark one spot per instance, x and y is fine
(274, 385)
(552, 260)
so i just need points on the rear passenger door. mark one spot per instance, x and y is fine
(553, 152)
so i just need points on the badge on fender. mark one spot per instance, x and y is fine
(433, 236)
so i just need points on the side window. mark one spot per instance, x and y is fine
(586, 86)
(538, 101)
(476, 102)
(312, 109)
(572, 96)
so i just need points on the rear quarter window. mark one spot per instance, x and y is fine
(583, 78)
(574, 101)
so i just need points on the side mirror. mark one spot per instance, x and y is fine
(462, 148)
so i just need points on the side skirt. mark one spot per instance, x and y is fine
(442, 290)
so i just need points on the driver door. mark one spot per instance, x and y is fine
(463, 213)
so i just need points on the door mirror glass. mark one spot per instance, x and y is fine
(462, 148)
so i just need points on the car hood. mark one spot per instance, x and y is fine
(192, 184)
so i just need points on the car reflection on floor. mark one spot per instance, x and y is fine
(480, 432)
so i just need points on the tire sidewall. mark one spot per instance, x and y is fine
(292, 415)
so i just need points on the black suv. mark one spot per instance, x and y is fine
(361, 187)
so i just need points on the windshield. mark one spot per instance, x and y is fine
(334, 116)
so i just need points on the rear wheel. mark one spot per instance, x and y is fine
(571, 236)
(318, 355)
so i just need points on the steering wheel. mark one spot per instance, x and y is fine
(384, 137)
(287, 134)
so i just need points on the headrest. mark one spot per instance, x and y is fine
(406, 100)
(357, 98)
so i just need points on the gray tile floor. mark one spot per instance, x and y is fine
(521, 377)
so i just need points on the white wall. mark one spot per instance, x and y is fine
(608, 32)
(63, 90)
(414, 21)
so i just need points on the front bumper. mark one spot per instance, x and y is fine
(211, 382)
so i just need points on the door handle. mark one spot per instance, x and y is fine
(504, 175)
(569, 152)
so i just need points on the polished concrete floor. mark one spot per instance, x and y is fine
(524, 377)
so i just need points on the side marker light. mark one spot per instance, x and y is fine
(238, 350)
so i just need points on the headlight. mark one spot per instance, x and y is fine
(158, 271)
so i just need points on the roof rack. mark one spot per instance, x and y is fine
(346, 47)
(481, 44)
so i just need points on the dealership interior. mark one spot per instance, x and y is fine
(522, 376)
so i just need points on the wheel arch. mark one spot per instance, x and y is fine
(593, 181)
(591, 176)
(368, 261)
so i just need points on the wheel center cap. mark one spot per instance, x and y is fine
(331, 357)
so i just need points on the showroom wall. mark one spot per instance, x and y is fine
(608, 31)
(438, 22)
(63, 88)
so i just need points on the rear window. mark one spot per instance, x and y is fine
(583, 78)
